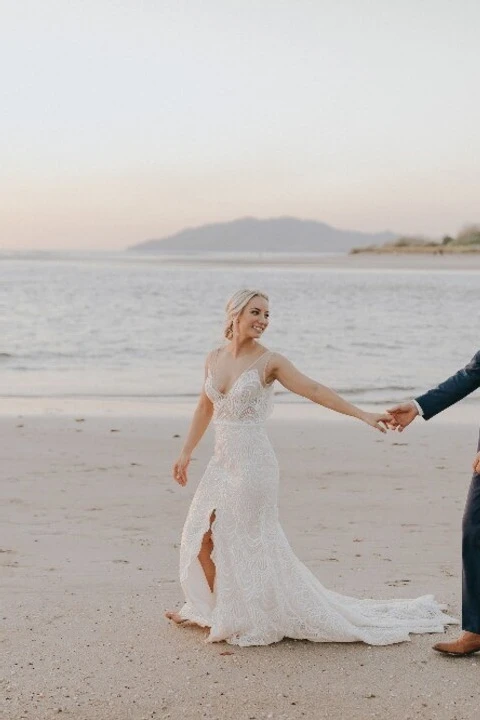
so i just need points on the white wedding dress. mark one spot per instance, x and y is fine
(262, 591)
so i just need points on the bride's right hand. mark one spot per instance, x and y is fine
(179, 471)
(380, 421)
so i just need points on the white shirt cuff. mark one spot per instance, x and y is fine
(420, 411)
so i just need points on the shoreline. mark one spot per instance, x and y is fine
(418, 250)
(368, 261)
(344, 261)
(465, 413)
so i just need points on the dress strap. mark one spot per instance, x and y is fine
(212, 361)
(264, 357)
(270, 354)
(267, 352)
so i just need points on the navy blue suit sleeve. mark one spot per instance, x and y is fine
(452, 390)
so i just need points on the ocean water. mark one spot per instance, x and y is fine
(122, 325)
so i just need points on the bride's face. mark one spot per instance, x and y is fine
(253, 320)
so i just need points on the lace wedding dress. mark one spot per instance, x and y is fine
(262, 591)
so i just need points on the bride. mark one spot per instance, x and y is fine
(238, 572)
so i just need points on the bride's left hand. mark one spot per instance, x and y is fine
(379, 421)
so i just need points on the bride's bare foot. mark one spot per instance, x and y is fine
(172, 615)
(178, 620)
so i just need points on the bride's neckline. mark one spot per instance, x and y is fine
(247, 369)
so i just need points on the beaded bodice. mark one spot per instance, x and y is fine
(248, 401)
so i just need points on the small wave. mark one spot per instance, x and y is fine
(5, 355)
(377, 345)
(364, 390)
(283, 398)
(375, 389)
(41, 355)
(105, 396)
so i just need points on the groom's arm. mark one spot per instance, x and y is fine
(451, 390)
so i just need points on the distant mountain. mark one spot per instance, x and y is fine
(287, 235)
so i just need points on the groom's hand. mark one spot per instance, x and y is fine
(403, 415)
(476, 464)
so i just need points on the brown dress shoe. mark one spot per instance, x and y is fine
(467, 644)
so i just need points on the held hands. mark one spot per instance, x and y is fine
(476, 463)
(179, 470)
(380, 421)
(402, 416)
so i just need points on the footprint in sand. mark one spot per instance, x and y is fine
(5, 560)
(448, 572)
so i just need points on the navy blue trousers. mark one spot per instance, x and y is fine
(471, 558)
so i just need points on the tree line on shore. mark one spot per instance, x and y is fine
(467, 240)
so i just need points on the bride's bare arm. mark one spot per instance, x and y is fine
(287, 374)
(200, 422)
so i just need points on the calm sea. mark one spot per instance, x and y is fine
(129, 326)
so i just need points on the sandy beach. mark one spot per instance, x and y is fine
(90, 529)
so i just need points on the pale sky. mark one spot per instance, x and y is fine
(124, 120)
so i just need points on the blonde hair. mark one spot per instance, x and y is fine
(235, 306)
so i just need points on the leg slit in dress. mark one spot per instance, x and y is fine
(205, 555)
(200, 597)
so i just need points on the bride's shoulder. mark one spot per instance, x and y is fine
(278, 364)
(274, 356)
(216, 351)
(213, 355)
(271, 366)
(273, 361)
